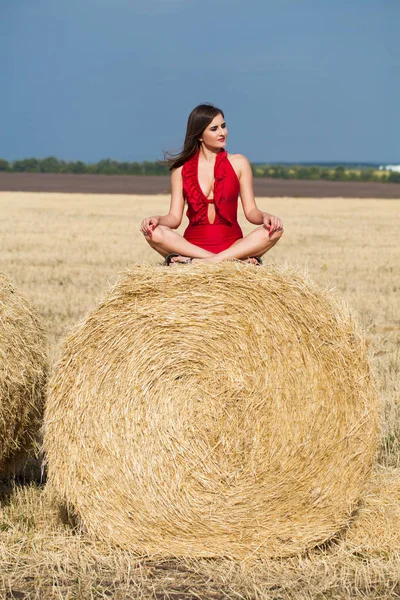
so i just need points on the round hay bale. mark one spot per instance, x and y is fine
(375, 530)
(213, 410)
(23, 374)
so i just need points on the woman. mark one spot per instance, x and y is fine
(210, 181)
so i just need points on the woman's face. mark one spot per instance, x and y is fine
(215, 134)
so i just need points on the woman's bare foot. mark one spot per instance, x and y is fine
(214, 259)
(184, 260)
(176, 260)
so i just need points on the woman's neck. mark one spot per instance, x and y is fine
(209, 154)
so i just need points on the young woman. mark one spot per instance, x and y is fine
(210, 181)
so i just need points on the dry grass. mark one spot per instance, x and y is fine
(62, 251)
(23, 374)
(44, 559)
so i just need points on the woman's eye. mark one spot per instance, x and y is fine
(213, 129)
(223, 125)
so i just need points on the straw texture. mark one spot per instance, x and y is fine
(222, 410)
(23, 373)
(376, 529)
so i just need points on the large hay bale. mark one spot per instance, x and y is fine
(208, 411)
(375, 530)
(23, 373)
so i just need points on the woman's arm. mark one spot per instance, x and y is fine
(252, 213)
(174, 217)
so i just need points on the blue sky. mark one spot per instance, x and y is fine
(299, 80)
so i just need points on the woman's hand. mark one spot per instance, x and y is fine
(148, 225)
(272, 223)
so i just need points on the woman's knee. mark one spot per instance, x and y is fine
(277, 235)
(267, 237)
(158, 235)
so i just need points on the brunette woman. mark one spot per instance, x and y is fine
(210, 181)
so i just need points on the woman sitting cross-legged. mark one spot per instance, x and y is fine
(210, 181)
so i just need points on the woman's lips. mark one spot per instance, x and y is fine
(221, 139)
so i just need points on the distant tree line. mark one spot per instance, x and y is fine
(51, 164)
(317, 172)
(107, 166)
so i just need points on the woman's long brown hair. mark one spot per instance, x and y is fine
(199, 118)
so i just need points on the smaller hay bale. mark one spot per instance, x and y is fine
(223, 410)
(23, 375)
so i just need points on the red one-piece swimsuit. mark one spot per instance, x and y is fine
(225, 230)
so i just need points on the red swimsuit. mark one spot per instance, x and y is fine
(225, 230)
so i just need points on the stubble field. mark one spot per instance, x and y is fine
(63, 251)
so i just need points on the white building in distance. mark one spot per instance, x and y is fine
(395, 168)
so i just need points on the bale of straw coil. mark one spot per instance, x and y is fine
(375, 530)
(23, 374)
(213, 410)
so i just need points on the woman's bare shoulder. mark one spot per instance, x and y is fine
(240, 163)
(176, 173)
(238, 159)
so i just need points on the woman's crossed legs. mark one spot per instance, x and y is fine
(166, 241)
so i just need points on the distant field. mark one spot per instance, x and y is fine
(143, 184)
(63, 250)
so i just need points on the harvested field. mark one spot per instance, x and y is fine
(143, 184)
(63, 251)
